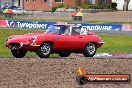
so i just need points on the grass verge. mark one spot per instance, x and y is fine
(113, 43)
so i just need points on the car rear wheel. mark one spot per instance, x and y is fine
(18, 53)
(64, 54)
(90, 50)
(44, 50)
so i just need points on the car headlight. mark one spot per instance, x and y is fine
(9, 37)
(34, 38)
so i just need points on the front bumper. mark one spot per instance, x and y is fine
(100, 44)
(20, 45)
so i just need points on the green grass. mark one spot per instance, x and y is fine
(116, 44)
(113, 43)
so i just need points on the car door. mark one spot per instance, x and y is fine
(76, 40)
(71, 39)
(62, 40)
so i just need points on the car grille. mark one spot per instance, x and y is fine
(15, 45)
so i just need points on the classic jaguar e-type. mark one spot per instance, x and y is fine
(62, 39)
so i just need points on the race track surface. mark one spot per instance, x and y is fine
(59, 72)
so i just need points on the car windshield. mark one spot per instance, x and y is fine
(56, 29)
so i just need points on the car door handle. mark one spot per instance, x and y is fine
(80, 36)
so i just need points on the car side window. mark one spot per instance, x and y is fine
(76, 30)
(62, 29)
(84, 31)
(67, 32)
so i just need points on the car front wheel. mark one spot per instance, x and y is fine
(18, 53)
(44, 50)
(90, 50)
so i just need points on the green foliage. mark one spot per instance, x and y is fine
(96, 6)
(54, 9)
(60, 6)
(63, 6)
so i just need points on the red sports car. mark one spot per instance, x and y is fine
(62, 39)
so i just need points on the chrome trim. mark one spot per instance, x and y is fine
(35, 45)
(101, 42)
(30, 45)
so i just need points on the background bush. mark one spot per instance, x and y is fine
(96, 6)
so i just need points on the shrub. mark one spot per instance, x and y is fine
(96, 6)
(63, 6)
(53, 9)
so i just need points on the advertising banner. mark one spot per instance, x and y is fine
(45, 25)
(106, 27)
(29, 25)
(126, 27)
(3, 23)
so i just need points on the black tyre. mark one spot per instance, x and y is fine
(18, 53)
(81, 80)
(90, 50)
(64, 54)
(44, 50)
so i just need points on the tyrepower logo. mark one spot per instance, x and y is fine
(84, 78)
(11, 24)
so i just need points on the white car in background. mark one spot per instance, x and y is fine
(18, 10)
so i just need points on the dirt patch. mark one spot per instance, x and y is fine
(58, 73)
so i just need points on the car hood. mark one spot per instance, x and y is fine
(23, 38)
(30, 35)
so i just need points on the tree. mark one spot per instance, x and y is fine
(125, 6)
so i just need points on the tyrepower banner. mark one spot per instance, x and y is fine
(45, 25)
(25, 24)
